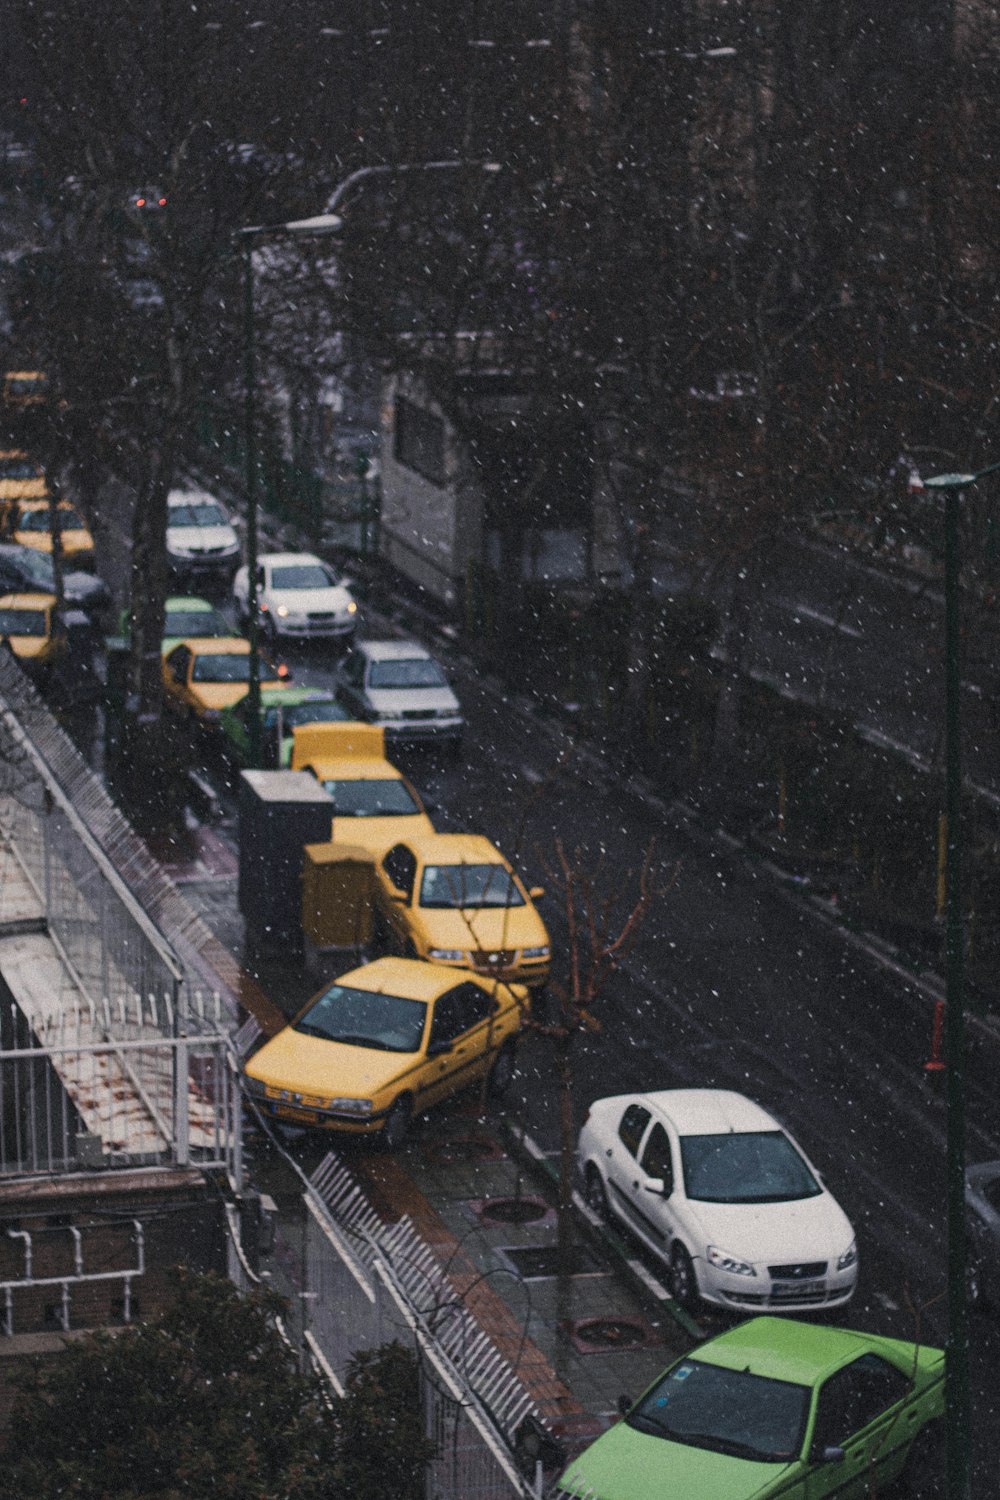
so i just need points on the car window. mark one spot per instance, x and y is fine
(656, 1159)
(633, 1124)
(354, 669)
(411, 672)
(449, 1018)
(458, 887)
(195, 622)
(753, 1166)
(178, 662)
(223, 666)
(363, 1018)
(319, 711)
(474, 1005)
(725, 1411)
(19, 468)
(990, 1190)
(302, 576)
(400, 865)
(22, 622)
(370, 799)
(854, 1397)
(205, 513)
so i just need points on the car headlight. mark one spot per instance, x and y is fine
(542, 952)
(282, 611)
(849, 1257)
(447, 955)
(723, 1261)
(351, 1106)
(352, 608)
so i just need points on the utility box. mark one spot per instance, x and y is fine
(279, 813)
(338, 888)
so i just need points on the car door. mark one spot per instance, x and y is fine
(621, 1159)
(453, 1046)
(395, 891)
(652, 1189)
(861, 1410)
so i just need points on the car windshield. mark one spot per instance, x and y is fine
(362, 1018)
(322, 711)
(759, 1166)
(371, 799)
(411, 672)
(727, 1411)
(223, 667)
(202, 514)
(188, 622)
(302, 576)
(19, 468)
(468, 885)
(22, 622)
(38, 519)
(36, 566)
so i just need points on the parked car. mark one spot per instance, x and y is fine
(383, 1043)
(281, 713)
(184, 616)
(201, 541)
(20, 477)
(23, 569)
(373, 803)
(399, 685)
(202, 677)
(27, 626)
(23, 389)
(453, 898)
(771, 1408)
(32, 527)
(982, 1198)
(298, 596)
(718, 1189)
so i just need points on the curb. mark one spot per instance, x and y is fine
(530, 1155)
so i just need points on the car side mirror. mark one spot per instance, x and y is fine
(655, 1185)
(537, 892)
(438, 1048)
(830, 1453)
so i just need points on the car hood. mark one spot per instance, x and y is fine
(23, 489)
(776, 1233)
(628, 1465)
(220, 695)
(403, 700)
(310, 1065)
(31, 647)
(200, 538)
(520, 927)
(379, 834)
(304, 601)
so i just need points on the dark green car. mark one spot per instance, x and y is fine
(774, 1408)
(282, 710)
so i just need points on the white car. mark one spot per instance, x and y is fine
(713, 1185)
(399, 685)
(201, 542)
(299, 596)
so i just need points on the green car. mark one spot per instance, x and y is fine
(185, 616)
(774, 1408)
(282, 711)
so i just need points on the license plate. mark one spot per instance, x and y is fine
(796, 1288)
(289, 1112)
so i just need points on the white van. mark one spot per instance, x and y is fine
(201, 542)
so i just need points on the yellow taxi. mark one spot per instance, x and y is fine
(453, 898)
(385, 1042)
(27, 624)
(205, 674)
(32, 527)
(24, 388)
(20, 477)
(374, 804)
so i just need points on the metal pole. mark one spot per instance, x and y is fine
(250, 385)
(957, 1425)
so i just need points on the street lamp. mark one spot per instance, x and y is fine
(391, 169)
(319, 224)
(957, 1423)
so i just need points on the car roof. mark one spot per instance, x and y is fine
(288, 559)
(413, 978)
(702, 1111)
(455, 848)
(190, 497)
(218, 645)
(189, 601)
(292, 696)
(392, 650)
(785, 1348)
(13, 453)
(27, 601)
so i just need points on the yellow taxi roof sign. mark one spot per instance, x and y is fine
(346, 741)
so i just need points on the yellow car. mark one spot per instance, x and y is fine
(374, 804)
(24, 388)
(205, 674)
(26, 623)
(20, 477)
(453, 898)
(385, 1042)
(33, 528)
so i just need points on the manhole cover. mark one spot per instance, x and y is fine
(535, 1262)
(513, 1210)
(599, 1335)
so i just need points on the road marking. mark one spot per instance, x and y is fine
(808, 613)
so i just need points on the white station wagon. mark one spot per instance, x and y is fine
(712, 1184)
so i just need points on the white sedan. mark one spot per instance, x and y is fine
(713, 1185)
(299, 596)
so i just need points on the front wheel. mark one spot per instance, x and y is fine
(397, 1124)
(502, 1072)
(683, 1282)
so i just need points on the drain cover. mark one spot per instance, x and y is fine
(534, 1262)
(513, 1210)
(599, 1335)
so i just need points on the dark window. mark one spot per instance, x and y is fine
(725, 1411)
(400, 864)
(449, 1019)
(656, 1161)
(179, 660)
(854, 1397)
(474, 1005)
(757, 1166)
(634, 1122)
(420, 440)
(354, 668)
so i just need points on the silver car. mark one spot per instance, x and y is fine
(399, 685)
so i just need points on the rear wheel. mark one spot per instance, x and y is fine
(597, 1198)
(683, 1282)
(397, 1124)
(502, 1072)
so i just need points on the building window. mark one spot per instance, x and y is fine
(420, 440)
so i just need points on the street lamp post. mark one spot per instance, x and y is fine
(957, 1421)
(319, 224)
(393, 169)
